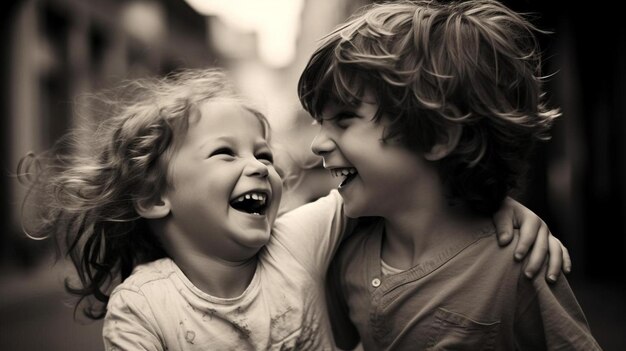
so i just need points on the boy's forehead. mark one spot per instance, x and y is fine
(368, 97)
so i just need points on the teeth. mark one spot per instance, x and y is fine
(342, 172)
(252, 196)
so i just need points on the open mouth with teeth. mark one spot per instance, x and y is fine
(253, 202)
(348, 175)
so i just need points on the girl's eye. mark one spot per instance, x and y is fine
(266, 156)
(222, 151)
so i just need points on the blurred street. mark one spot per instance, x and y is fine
(36, 314)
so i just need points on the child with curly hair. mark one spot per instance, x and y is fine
(429, 112)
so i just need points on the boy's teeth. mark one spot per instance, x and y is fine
(343, 172)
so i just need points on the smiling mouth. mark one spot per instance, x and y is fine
(253, 202)
(348, 175)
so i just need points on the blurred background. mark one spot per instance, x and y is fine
(53, 51)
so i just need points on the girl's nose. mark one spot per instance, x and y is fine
(256, 168)
(321, 144)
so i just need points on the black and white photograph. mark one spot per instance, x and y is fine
(312, 175)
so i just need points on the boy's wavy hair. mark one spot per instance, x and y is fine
(86, 199)
(431, 65)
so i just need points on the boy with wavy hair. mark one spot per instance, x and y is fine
(429, 111)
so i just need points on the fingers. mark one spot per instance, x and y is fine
(504, 227)
(567, 260)
(555, 261)
(530, 231)
(504, 221)
(539, 251)
(534, 233)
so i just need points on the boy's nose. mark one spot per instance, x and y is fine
(321, 144)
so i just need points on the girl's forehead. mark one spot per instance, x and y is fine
(231, 115)
(225, 108)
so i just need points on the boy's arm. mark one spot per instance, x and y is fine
(548, 317)
(534, 233)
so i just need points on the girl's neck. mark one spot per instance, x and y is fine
(217, 277)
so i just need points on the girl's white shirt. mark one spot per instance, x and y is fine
(283, 308)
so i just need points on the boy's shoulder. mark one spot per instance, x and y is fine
(485, 243)
(481, 244)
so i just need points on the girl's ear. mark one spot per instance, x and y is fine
(446, 145)
(153, 209)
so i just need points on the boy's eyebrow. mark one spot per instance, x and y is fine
(340, 113)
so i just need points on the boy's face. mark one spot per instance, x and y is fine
(225, 191)
(380, 179)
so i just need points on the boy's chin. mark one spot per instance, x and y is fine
(352, 211)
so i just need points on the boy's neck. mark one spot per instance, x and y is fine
(414, 236)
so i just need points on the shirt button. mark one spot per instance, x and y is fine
(375, 282)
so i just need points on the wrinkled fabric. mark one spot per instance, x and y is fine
(283, 308)
(471, 296)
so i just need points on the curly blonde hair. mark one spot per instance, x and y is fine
(432, 65)
(86, 199)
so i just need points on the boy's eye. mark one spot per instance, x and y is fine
(222, 151)
(343, 119)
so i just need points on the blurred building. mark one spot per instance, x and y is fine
(57, 50)
(578, 182)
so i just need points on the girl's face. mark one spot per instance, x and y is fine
(379, 179)
(225, 191)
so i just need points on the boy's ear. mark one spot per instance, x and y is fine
(153, 209)
(446, 145)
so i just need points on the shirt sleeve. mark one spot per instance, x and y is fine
(548, 317)
(312, 232)
(129, 323)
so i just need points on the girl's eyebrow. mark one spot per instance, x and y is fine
(225, 138)
(262, 144)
